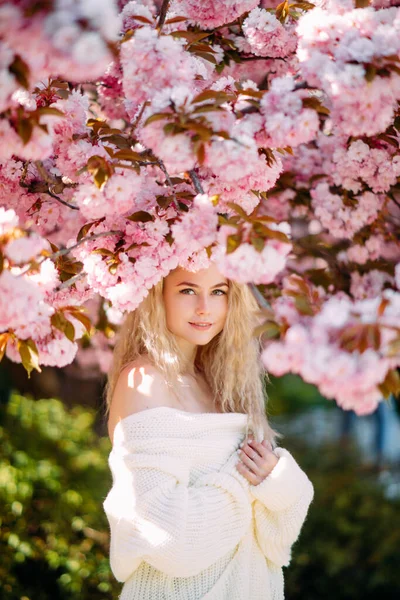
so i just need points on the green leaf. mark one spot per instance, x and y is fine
(60, 322)
(233, 242)
(103, 252)
(269, 330)
(370, 72)
(29, 355)
(257, 243)
(239, 210)
(303, 305)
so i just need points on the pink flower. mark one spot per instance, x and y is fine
(266, 36)
(209, 14)
(247, 264)
(117, 196)
(22, 306)
(197, 228)
(151, 63)
(286, 122)
(343, 221)
(8, 220)
(24, 249)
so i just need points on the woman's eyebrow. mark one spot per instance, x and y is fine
(196, 286)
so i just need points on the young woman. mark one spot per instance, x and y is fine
(203, 505)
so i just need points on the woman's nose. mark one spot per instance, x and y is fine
(202, 306)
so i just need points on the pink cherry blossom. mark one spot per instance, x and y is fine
(266, 36)
(24, 249)
(209, 14)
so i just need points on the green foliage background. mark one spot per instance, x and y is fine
(54, 477)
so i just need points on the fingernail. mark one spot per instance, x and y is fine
(241, 445)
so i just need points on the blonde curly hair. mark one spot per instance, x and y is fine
(230, 362)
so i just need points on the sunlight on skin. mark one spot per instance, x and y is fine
(144, 386)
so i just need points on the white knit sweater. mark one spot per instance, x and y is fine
(185, 525)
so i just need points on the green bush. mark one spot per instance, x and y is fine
(289, 394)
(53, 479)
(349, 548)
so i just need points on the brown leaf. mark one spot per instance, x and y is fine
(157, 117)
(128, 155)
(141, 216)
(25, 129)
(190, 36)
(20, 70)
(201, 154)
(84, 319)
(175, 20)
(4, 337)
(391, 384)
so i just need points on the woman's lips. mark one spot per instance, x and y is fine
(201, 326)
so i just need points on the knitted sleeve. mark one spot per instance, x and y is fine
(280, 508)
(156, 516)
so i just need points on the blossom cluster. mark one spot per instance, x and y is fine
(353, 377)
(264, 35)
(262, 137)
(71, 40)
(286, 121)
(28, 302)
(351, 55)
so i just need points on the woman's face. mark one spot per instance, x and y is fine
(196, 305)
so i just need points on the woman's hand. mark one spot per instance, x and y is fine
(257, 460)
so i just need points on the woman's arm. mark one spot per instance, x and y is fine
(153, 512)
(280, 507)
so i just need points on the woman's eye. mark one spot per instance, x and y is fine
(219, 293)
(187, 291)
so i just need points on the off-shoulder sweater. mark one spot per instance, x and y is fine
(185, 524)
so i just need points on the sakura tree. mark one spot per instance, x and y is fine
(138, 136)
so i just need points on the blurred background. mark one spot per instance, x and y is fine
(54, 477)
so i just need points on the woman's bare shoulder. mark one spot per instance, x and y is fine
(140, 386)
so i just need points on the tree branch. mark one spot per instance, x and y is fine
(64, 202)
(196, 182)
(261, 301)
(50, 182)
(139, 116)
(163, 14)
(69, 282)
(95, 236)
(168, 178)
